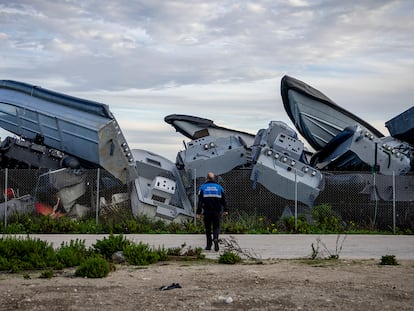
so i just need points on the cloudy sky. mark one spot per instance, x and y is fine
(221, 60)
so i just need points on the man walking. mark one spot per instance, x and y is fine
(212, 201)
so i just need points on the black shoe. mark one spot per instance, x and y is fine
(209, 243)
(216, 245)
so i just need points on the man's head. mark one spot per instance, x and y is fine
(210, 176)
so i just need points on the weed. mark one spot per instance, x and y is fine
(316, 252)
(186, 251)
(228, 257)
(175, 251)
(197, 252)
(231, 245)
(47, 274)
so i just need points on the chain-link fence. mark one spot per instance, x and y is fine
(65, 192)
(358, 199)
(364, 199)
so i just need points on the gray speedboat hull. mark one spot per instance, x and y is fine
(78, 127)
(317, 118)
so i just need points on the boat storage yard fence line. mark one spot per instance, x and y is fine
(360, 199)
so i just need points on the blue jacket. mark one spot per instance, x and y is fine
(211, 198)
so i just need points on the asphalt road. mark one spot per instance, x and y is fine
(272, 246)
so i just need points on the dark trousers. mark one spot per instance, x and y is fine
(212, 220)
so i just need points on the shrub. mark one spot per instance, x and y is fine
(24, 254)
(159, 226)
(162, 253)
(287, 224)
(72, 254)
(325, 219)
(108, 246)
(129, 226)
(242, 222)
(175, 227)
(14, 228)
(141, 254)
(88, 226)
(46, 224)
(228, 257)
(388, 260)
(190, 226)
(230, 226)
(93, 267)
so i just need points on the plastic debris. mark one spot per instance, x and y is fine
(226, 299)
(173, 285)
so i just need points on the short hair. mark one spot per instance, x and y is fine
(210, 176)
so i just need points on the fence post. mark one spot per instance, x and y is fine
(393, 202)
(296, 202)
(6, 173)
(195, 196)
(97, 196)
(376, 199)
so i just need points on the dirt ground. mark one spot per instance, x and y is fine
(206, 285)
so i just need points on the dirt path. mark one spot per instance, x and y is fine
(273, 285)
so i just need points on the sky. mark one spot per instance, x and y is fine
(220, 60)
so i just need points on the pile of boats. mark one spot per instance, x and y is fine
(64, 133)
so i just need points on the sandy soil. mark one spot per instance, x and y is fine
(271, 285)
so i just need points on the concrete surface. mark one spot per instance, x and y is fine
(283, 246)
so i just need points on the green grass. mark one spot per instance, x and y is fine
(324, 222)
